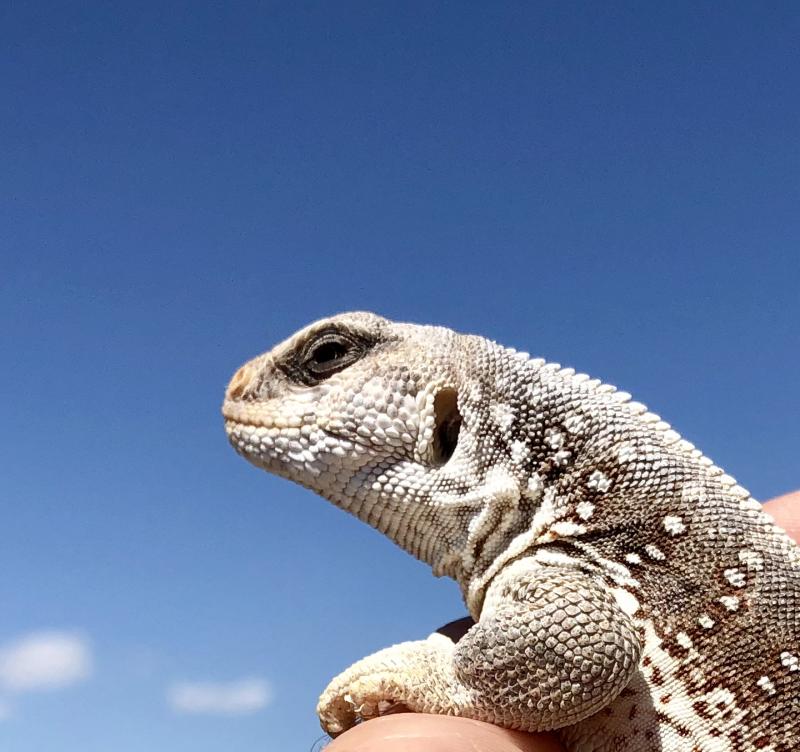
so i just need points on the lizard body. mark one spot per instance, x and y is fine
(626, 591)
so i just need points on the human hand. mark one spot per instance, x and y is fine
(417, 732)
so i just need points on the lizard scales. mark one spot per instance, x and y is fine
(626, 591)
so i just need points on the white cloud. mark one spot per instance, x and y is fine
(44, 660)
(219, 698)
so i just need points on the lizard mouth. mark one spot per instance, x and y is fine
(435, 446)
(267, 434)
(242, 413)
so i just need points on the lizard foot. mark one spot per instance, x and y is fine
(411, 674)
(365, 699)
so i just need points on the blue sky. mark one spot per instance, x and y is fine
(612, 186)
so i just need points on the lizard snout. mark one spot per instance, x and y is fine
(240, 382)
(252, 382)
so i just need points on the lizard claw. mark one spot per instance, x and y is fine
(340, 710)
(336, 714)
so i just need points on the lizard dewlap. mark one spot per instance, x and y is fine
(627, 592)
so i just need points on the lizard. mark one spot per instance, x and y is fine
(627, 593)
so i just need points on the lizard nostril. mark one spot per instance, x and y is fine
(239, 383)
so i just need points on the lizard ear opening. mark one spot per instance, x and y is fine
(447, 424)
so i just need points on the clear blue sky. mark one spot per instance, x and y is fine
(612, 186)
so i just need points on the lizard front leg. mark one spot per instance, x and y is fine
(418, 674)
(554, 649)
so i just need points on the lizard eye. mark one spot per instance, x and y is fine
(330, 354)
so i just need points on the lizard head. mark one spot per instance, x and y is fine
(346, 394)
(366, 412)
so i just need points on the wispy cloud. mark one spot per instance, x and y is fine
(219, 698)
(44, 660)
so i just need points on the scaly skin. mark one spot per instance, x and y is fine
(625, 590)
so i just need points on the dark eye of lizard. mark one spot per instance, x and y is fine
(330, 354)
